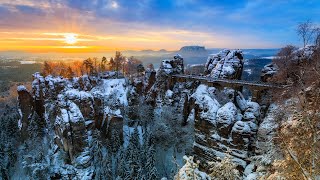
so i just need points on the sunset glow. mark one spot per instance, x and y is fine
(98, 26)
(70, 38)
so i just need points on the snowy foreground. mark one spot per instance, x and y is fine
(146, 127)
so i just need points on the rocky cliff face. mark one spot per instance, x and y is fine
(226, 64)
(26, 109)
(167, 68)
(224, 121)
(74, 108)
(268, 72)
(224, 126)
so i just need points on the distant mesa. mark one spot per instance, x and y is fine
(193, 51)
(147, 50)
(153, 51)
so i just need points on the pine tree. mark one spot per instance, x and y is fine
(89, 65)
(8, 139)
(115, 141)
(97, 155)
(121, 166)
(106, 167)
(133, 157)
(226, 169)
(119, 61)
(150, 166)
(102, 66)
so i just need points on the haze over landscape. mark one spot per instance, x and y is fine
(159, 89)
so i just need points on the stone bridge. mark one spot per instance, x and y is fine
(255, 87)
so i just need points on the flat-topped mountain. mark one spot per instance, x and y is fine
(193, 51)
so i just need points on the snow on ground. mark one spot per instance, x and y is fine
(116, 87)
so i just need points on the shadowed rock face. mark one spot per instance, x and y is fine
(230, 127)
(73, 107)
(225, 122)
(150, 79)
(26, 108)
(167, 68)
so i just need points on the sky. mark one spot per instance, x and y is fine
(108, 25)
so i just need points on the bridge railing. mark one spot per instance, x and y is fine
(231, 81)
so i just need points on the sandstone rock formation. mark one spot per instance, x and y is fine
(221, 128)
(268, 71)
(73, 107)
(226, 64)
(26, 109)
(167, 68)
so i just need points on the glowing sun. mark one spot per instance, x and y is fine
(70, 38)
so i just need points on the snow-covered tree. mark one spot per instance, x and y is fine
(115, 141)
(190, 171)
(225, 169)
(132, 154)
(150, 166)
(8, 141)
(100, 160)
(122, 171)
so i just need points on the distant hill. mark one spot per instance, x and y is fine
(193, 51)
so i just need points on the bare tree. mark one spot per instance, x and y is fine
(305, 30)
(317, 36)
(299, 133)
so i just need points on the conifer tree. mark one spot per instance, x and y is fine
(151, 164)
(133, 157)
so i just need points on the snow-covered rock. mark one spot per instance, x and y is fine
(225, 64)
(231, 126)
(173, 66)
(227, 115)
(304, 52)
(206, 107)
(268, 72)
(74, 107)
(167, 68)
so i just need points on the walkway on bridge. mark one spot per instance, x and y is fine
(228, 81)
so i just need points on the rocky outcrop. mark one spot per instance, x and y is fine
(268, 72)
(70, 127)
(26, 109)
(230, 127)
(150, 79)
(226, 64)
(167, 68)
(73, 107)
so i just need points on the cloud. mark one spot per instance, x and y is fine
(154, 23)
